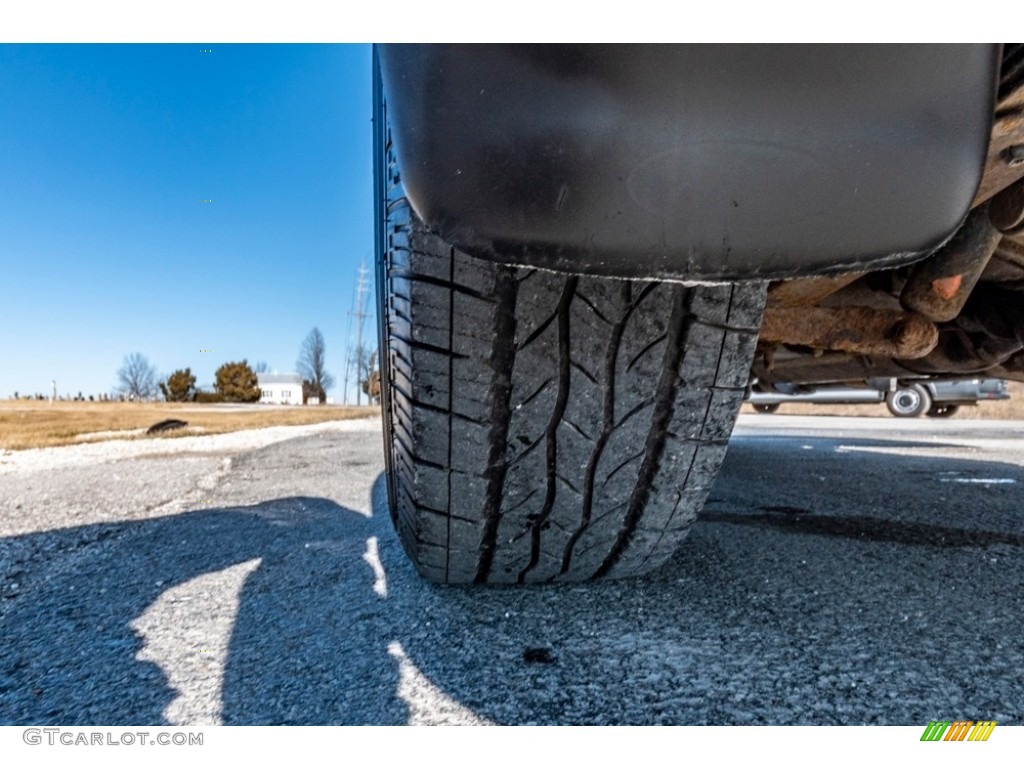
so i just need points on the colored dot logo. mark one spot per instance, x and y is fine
(206, 201)
(206, 50)
(206, 350)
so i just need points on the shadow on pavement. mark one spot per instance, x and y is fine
(71, 656)
(754, 620)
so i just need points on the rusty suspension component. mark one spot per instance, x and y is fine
(1006, 211)
(986, 338)
(862, 330)
(939, 286)
(807, 291)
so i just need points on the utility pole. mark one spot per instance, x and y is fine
(348, 349)
(362, 286)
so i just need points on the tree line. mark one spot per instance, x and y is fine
(236, 381)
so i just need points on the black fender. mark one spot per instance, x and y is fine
(697, 161)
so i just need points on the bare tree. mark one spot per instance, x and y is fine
(311, 364)
(366, 373)
(261, 367)
(371, 384)
(137, 377)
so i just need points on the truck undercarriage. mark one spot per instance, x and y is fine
(960, 311)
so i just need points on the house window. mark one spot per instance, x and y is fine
(267, 393)
(285, 394)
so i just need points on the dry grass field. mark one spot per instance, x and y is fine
(35, 424)
(1012, 409)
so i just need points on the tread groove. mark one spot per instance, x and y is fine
(577, 429)
(529, 449)
(608, 426)
(416, 277)
(518, 504)
(594, 309)
(427, 347)
(644, 351)
(502, 358)
(451, 406)
(567, 481)
(557, 416)
(537, 332)
(707, 409)
(417, 459)
(654, 446)
(641, 406)
(725, 327)
(621, 466)
(539, 389)
(586, 374)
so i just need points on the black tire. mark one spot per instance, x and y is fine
(766, 407)
(940, 411)
(548, 427)
(908, 402)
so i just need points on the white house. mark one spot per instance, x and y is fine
(280, 388)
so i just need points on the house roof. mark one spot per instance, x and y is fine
(278, 378)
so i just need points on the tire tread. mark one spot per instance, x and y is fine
(551, 427)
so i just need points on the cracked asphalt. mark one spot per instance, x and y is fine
(845, 571)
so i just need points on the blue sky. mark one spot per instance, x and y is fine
(107, 153)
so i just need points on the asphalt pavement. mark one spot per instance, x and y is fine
(845, 571)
